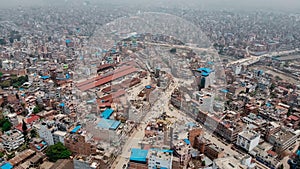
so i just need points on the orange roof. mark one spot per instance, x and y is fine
(107, 79)
(272, 153)
(108, 98)
(32, 119)
(294, 118)
(102, 76)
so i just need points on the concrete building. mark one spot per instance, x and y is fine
(85, 162)
(227, 163)
(248, 140)
(77, 144)
(13, 139)
(59, 136)
(45, 133)
(227, 129)
(193, 134)
(282, 140)
(138, 159)
(160, 159)
(212, 151)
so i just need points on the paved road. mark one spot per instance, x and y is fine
(138, 135)
(254, 59)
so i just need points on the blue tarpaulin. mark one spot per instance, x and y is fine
(68, 41)
(67, 76)
(138, 155)
(204, 71)
(75, 129)
(298, 153)
(148, 87)
(62, 104)
(108, 124)
(187, 141)
(6, 166)
(45, 77)
(224, 91)
(107, 113)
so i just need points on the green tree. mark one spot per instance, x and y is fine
(33, 133)
(1, 154)
(57, 151)
(203, 163)
(6, 126)
(173, 50)
(36, 110)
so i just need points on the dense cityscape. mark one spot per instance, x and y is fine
(106, 86)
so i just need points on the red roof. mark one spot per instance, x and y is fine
(103, 104)
(108, 98)
(19, 127)
(32, 119)
(294, 118)
(107, 79)
(102, 76)
(272, 153)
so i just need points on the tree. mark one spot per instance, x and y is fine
(36, 110)
(1, 154)
(6, 126)
(203, 163)
(173, 50)
(57, 151)
(33, 133)
(24, 128)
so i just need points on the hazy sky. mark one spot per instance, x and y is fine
(285, 5)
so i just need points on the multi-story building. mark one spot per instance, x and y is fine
(13, 139)
(182, 151)
(59, 136)
(227, 129)
(212, 151)
(227, 163)
(85, 162)
(282, 140)
(193, 134)
(271, 128)
(77, 144)
(45, 133)
(160, 159)
(248, 140)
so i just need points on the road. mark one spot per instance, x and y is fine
(179, 46)
(253, 59)
(133, 142)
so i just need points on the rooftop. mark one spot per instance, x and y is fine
(249, 135)
(228, 163)
(283, 136)
(138, 155)
(22, 156)
(108, 124)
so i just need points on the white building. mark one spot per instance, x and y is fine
(13, 139)
(248, 140)
(45, 133)
(160, 159)
(59, 136)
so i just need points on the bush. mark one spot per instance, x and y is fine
(57, 151)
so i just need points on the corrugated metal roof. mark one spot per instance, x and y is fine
(138, 155)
